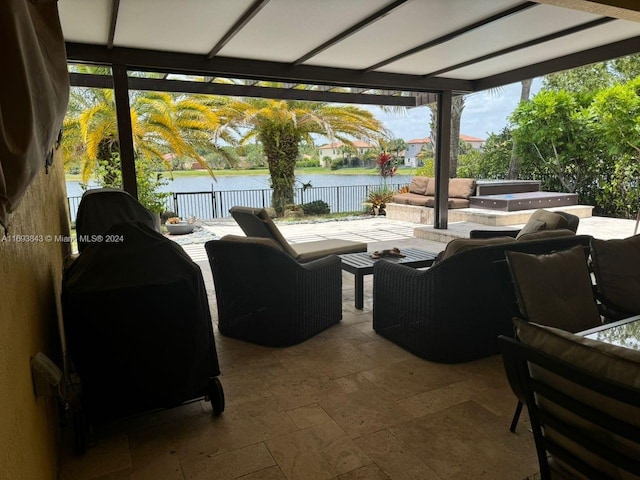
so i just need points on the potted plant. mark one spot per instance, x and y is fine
(177, 226)
(378, 199)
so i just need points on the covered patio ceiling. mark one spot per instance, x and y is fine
(386, 52)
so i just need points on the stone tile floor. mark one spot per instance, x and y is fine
(346, 404)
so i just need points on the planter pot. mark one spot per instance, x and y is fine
(181, 228)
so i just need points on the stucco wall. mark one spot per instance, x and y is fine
(30, 276)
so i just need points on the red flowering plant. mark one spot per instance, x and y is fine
(387, 166)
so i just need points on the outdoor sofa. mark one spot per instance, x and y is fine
(455, 310)
(422, 191)
(256, 222)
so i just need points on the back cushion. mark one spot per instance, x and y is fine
(431, 187)
(616, 265)
(461, 187)
(555, 289)
(458, 245)
(544, 220)
(543, 234)
(419, 185)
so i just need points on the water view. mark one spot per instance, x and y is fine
(205, 183)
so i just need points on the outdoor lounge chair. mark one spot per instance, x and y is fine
(583, 399)
(255, 222)
(266, 297)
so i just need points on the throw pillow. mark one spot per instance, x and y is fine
(461, 187)
(616, 265)
(543, 220)
(555, 289)
(419, 185)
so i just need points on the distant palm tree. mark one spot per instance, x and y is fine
(281, 126)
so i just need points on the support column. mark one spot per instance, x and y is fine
(125, 135)
(442, 159)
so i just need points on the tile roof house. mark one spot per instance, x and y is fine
(415, 146)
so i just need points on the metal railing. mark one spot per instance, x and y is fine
(216, 204)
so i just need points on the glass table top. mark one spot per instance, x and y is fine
(625, 333)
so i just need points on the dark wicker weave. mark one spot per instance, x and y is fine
(455, 310)
(266, 297)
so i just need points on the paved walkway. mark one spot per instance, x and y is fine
(377, 232)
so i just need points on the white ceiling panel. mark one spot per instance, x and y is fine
(609, 33)
(85, 21)
(193, 26)
(533, 23)
(411, 25)
(287, 29)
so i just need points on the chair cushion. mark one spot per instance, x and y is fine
(253, 241)
(458, 245)
(600, 359)
(418, 185)
(555, 289)
(544, 220)
(616, 265)
(461, 187)
(411, 199)
(431, 202)
(542, 234)
(308, 251)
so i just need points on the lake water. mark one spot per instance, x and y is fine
(257, 182)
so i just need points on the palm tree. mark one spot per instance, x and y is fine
(281, 126)
(161, 123)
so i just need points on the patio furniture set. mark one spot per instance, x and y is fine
(453, 311)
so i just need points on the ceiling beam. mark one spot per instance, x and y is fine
(113, 20)
(173, 62)
(180, 86)
(523, 45)
(246, 17)
(621, 9)
(567, 62)
(351, 30)
(452, 35)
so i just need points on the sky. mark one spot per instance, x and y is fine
(484, 113)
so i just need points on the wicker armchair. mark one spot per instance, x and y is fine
(455, 310)
(266, 297)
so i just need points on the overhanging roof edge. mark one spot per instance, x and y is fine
(173, 62)
(593, 55)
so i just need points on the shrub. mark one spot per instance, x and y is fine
(317, 207)
(308, 163)
(337, 163)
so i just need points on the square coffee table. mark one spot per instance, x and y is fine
(361, 264)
